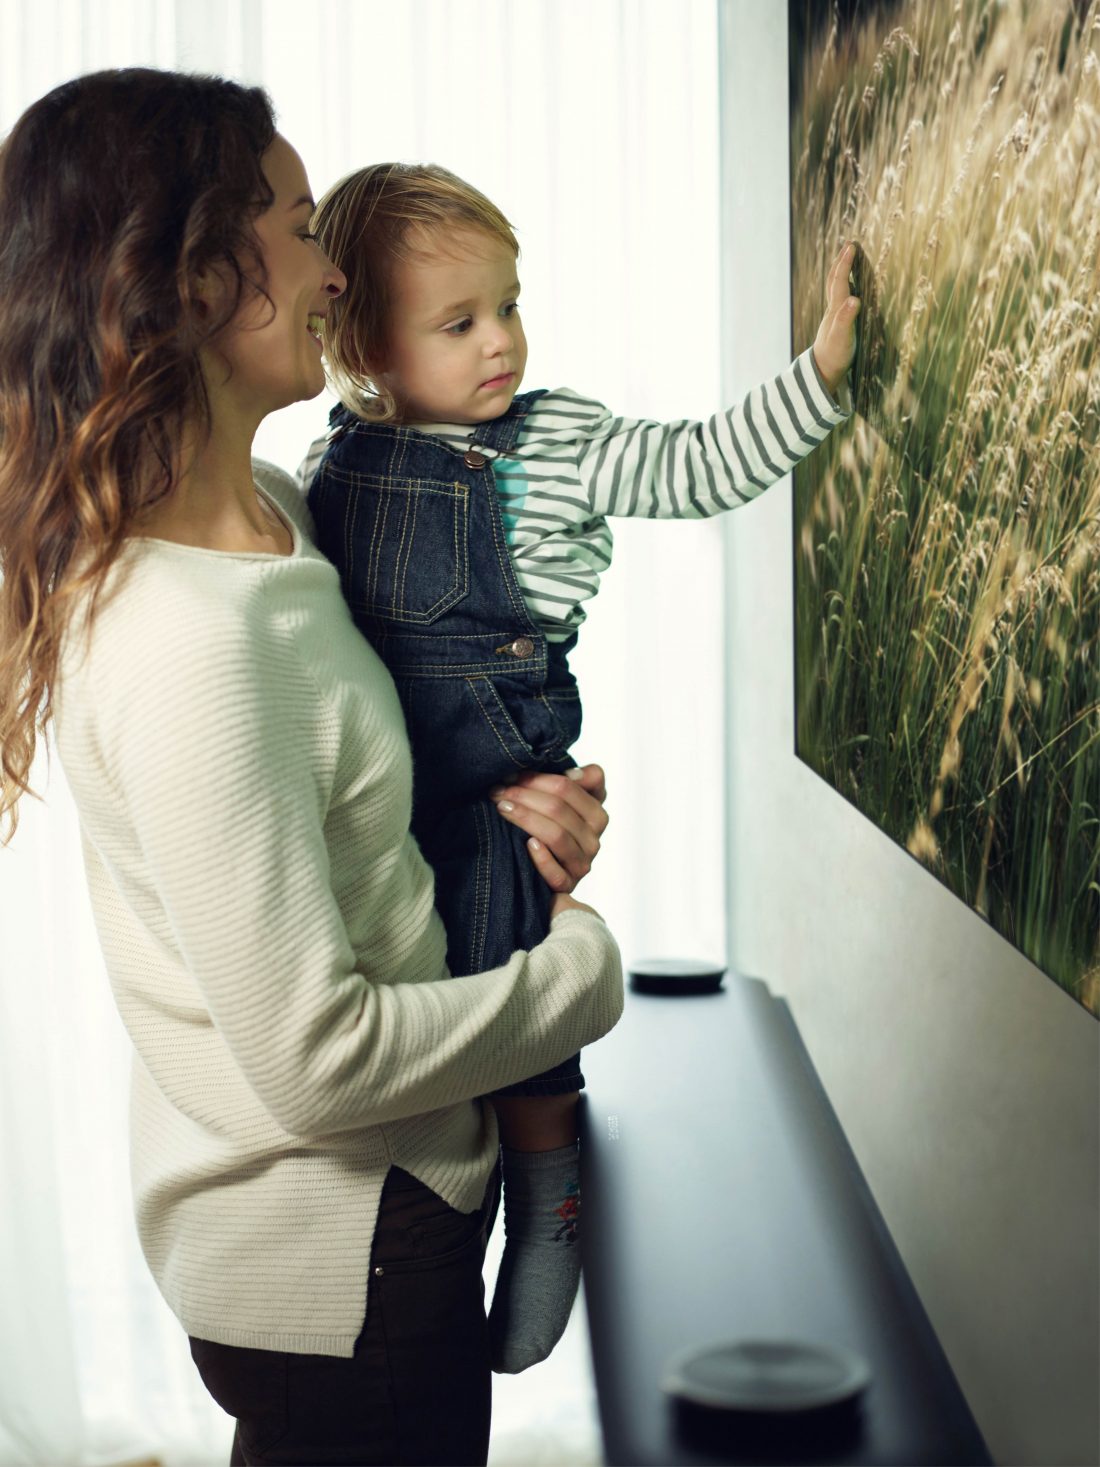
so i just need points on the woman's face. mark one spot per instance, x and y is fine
(273, 350)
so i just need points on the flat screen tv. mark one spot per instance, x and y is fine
(947, 541)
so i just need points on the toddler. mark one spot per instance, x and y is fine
(469, 524)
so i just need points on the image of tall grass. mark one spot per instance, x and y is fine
(947, 542)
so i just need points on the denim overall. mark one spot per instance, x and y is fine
(415, 529)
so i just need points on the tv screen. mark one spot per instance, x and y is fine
(947, 540)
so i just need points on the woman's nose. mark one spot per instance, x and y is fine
(337, 281)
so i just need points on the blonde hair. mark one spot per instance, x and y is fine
(366, 223)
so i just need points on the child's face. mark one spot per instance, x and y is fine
(457, 349)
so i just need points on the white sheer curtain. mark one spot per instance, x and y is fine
(594, 124)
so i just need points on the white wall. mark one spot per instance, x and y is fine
(967, 1082)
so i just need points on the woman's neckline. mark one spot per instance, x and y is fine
(267, 502)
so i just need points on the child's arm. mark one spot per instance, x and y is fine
(687, 470)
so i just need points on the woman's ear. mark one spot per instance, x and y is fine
(208, 293)
(200, 288)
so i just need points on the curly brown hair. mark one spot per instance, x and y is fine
(365, 224)
(118, 191)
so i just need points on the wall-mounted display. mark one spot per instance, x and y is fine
(947, 544)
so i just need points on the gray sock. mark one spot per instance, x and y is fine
(541, 1266)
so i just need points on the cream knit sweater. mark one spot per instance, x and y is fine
(239, 761)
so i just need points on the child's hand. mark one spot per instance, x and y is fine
(835, 342)
(565, 816)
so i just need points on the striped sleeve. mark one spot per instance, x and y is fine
(687, 470)
(312, 462)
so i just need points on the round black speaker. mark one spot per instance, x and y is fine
(675, 976)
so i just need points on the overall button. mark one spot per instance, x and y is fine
(474, 460)
(521, 647)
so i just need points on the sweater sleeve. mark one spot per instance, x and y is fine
(214, 753)
(688, 470)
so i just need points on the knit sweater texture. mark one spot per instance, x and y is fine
(239, 762)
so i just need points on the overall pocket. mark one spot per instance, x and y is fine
(523, 725)
(402, 546)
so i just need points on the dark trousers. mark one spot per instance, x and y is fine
(418, 1387)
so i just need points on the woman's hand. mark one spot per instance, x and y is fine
(564, 816)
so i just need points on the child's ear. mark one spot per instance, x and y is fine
(376, 365)
(377, 372)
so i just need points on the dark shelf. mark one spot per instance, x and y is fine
(722, 1201)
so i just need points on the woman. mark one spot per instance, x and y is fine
(313, 1172)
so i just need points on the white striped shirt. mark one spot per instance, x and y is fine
(575, 465)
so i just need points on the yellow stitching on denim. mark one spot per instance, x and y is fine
(376, 492)
(505, 555)
(555, 721)
(404, 549)
(496, 732)
(482, 884)
(458, 669)
(385, 505)
(379, 507)
(454, 532)
(499, 704)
